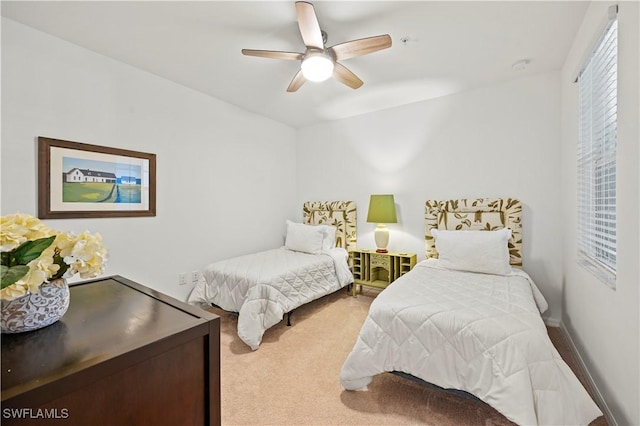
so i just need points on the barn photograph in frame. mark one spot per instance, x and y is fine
(78, 180)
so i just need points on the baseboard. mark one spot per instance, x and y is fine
(551, 322)
(592, 384)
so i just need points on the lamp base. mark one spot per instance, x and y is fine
(381, 235)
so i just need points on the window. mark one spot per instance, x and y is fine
(597, 156)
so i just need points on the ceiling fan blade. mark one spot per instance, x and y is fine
(345, 76)
(298, 80)
(273, 54)
(361, 47)
(309, 26)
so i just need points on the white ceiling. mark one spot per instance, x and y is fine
(451, 46)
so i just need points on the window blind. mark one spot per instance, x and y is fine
(597, 157)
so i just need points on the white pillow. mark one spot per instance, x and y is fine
(304, 238)
(476, 251)
(329, 241)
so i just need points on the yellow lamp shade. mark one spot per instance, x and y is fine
(382, 209)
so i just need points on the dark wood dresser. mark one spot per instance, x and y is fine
(123, 354)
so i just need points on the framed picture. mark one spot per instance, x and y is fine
(78, 180)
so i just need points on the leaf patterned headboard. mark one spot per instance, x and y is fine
(478, 214)
(341, 214)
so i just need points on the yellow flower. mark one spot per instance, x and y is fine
(87, 256)
(18, 228)
(83, 254)
(13, 291)
(64, 243)
(45, 262)
(33, 280)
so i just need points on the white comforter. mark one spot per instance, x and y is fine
(475, 332)
(263, 286)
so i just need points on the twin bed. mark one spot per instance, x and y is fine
(263, 287)
(466, 318)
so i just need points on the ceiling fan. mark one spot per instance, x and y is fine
(318, 62)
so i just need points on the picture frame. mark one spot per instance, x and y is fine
(79, 180)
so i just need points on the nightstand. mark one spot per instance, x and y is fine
(378, 270)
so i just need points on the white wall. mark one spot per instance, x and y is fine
(225, 177)
(604, 323)
(498, 141)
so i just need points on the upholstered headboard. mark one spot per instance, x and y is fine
(341, 214)
(478, 214)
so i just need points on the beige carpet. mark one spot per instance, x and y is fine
(293, 378)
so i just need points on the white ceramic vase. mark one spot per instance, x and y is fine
(34, 311)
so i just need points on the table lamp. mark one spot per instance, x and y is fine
(382, 210)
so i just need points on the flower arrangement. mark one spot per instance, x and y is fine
(32, 254)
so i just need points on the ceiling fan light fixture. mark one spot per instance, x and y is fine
(317, 67)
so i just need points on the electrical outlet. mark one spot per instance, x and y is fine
(182, 278)
(195, 276)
